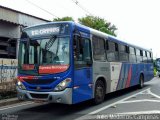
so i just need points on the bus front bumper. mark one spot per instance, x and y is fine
(64, 97)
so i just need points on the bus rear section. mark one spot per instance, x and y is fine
(120, 65)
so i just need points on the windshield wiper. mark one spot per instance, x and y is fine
(49, 44)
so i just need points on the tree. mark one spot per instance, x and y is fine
(64, 19)
(98, 24)
(93, 22)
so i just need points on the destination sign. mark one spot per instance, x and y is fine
(46, 30)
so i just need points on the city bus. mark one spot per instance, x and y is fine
(157, 65)
(66, 62)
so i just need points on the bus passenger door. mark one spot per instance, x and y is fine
(82, 70)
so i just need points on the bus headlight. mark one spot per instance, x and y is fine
(20, 85)
(62, 85)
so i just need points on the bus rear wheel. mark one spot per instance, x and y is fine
(141, 81)
(99, 92)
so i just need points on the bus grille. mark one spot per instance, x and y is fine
(42, 88)
(39, 81)
(41, 96)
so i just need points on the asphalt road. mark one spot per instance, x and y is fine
(132, 101)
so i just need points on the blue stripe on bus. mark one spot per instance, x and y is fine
(136, 69)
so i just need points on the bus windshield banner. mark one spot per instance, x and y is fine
(52, 68)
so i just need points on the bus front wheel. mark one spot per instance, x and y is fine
(99, 92)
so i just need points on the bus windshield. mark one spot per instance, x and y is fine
(49, 55)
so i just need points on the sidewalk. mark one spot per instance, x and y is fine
(9, 101)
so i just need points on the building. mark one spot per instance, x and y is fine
(11, 24)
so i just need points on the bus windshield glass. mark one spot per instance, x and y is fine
(43, 55)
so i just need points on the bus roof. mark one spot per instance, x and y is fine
(110, 37)
(94, 32)
(50, 23)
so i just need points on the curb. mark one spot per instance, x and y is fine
(10, 101)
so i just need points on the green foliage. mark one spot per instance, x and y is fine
(155, 71)
(98, 24)
(64, 19)
(93, 22)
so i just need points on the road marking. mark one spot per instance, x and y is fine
(105, 107)
(153, 94)
(143, 100)
(5, 108)
(140, 112)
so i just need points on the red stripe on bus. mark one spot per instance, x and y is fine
(129, 77)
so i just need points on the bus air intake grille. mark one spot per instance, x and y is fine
(39, 81)
(41, 96)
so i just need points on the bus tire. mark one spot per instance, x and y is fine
(141, 81)
(99, 93)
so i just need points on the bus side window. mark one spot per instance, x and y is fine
(99, 53)
(138, 55)
(144, 56)
(149, 57)
(76, 47)
(112, 52)
(82, 52)
(132, 55)
(123, 53)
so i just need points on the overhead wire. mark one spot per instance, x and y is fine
(42, 8)
(83, 8)
(55, 16)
